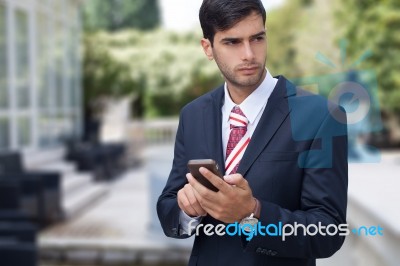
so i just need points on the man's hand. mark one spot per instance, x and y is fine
(188, 202)
(231, 203)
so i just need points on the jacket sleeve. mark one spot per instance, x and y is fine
(167, 206)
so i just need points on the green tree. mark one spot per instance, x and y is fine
(281, 36)
(111, 15)
(374, 25)
(296, 32)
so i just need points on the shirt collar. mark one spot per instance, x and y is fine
(254, 103)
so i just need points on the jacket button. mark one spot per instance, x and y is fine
(265, 252)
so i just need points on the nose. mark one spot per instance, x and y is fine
(248, 53)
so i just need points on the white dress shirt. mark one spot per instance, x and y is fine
(252, 107)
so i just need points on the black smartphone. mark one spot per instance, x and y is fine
(194, 166)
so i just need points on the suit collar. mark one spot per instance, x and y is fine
(212, 119)
(274, 115)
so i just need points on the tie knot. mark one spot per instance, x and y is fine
(237, 118)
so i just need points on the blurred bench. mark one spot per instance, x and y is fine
(10, 198)
(106, 161)
(17, 234)
(18, 254)
(40, 192)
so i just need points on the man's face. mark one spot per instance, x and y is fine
(240, 52)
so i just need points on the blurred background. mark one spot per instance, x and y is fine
(90, 92)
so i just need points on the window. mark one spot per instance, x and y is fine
(22, 59)
(43, 66)
(3, 59)
(4, 96)
(24, 130)
(43, 112)
(4, 133)
(60, 43)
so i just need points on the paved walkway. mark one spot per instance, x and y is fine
(119, 229)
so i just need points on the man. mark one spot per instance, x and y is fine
(271, 173)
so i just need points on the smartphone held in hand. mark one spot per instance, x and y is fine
(194, 166)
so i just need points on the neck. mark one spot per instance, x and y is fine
(239, 93)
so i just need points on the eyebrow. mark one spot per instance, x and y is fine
(259, 34)
(230, 39)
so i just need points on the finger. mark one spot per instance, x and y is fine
(197, 186)
(194, 201)
(237, 180)
(185, 205)
(206, 204)
(206, 197)
(214, 179)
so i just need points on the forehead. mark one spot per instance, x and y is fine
(250, 25)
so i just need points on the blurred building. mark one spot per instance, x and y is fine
(40, 73)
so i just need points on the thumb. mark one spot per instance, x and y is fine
(236, 179)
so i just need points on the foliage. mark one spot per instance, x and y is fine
(163, 70)
(281, 35)
(114, 15)
(296, 33)
(374, 25)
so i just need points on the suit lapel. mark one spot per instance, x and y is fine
(212, 118)
(274, 114)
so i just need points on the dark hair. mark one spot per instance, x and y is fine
(220, 15)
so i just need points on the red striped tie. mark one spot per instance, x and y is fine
(238, 124)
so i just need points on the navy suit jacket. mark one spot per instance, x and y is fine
(295, 164)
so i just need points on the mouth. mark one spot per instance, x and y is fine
(248, 70)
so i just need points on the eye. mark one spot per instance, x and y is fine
(259, 38)
(231, 42)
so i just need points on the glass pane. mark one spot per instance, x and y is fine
(76, 124)
(43, 68)
(3, 59)
(77, 84)
(69, 70)
(54, 129)
(24, 131)
(60, 126)
(76, 69)
(22, 59)
(44, 130)
(4, 133)
(67, 129)
(59, 65)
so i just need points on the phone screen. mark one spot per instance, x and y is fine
(194, 166)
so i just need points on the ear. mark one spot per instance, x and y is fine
(206, 44)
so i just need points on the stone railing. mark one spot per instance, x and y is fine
(142, 134)
(153, 132)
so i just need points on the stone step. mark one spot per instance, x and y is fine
(62, 167)
(73, 182)
(77, 202)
